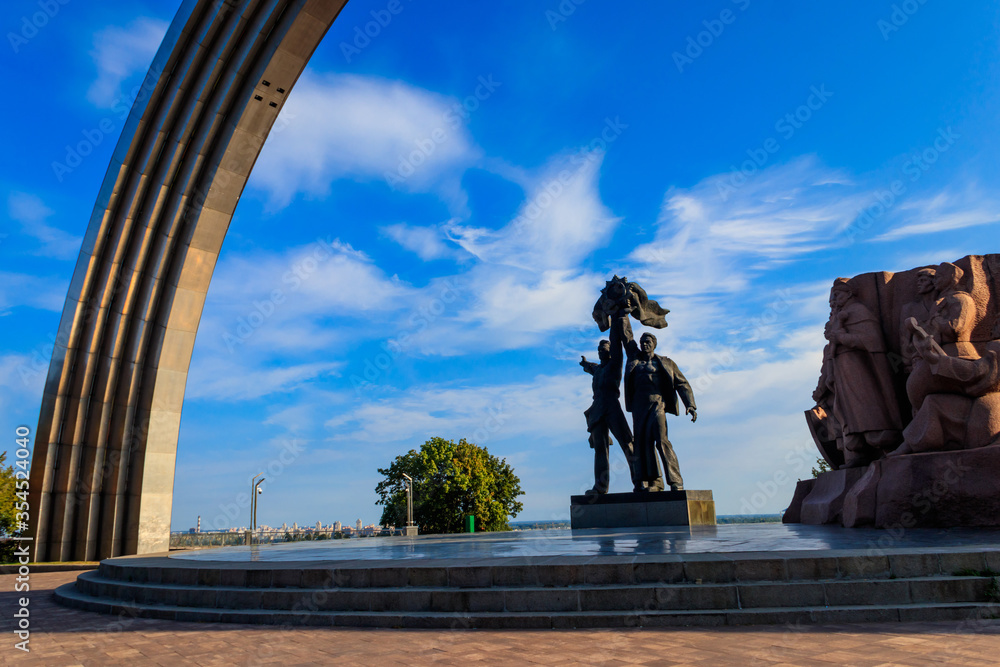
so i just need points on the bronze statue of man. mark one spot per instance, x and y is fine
(653, 385)
(605, 416)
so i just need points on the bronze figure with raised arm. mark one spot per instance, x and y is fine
(654, 387)
(605, 417)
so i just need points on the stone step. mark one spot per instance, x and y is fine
(580, 598)
(912, 612)
(704, 568)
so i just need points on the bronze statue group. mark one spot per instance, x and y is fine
(654, 387)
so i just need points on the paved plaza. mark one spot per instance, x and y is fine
(64, 637)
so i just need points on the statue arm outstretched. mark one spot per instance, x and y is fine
(622, 330)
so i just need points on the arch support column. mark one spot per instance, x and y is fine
(102, 470)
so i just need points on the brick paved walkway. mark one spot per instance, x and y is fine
(63, 636)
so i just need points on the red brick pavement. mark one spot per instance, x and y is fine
(64, 637)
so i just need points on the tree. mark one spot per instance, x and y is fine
(823, 467)
(450, 481)
(8, 510)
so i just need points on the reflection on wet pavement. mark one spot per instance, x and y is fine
(737, 538)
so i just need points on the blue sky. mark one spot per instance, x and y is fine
(410, 260)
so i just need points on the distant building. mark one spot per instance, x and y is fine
(319, 526)
(336, 526)
(198, 529)
(361, 526)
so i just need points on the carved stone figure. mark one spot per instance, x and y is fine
(604, 416)
(824, 426)
(949, 325)
(919, 309)
(961, 404)
(954, 314)
(654, 387)
(864, 403)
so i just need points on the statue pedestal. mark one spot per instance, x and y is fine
(636, 510)
(928, 490)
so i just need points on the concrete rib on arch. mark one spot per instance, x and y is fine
(102, 471)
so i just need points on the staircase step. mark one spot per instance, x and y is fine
(636, 597)
(911, 612)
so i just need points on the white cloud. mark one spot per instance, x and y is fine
(19, 289)
(427, 243)
(284, 302)
(120, 52)
(562, 221)
(946, 211)
(526, 284)
(363, 128)
(221, 380)
(32, 214)
(539, 407)
(707, 244)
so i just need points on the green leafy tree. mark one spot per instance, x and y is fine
(8, 497)
(823, 467)
(8, 511)
(450, 480)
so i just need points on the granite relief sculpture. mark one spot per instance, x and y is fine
(907, 407)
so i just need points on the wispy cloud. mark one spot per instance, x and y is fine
(18, 289)
(562, 221)
(363, 128)
(120, 52)
(946, 211)
(223, 380)
(284, 302)
(427, 243)
(32, 214)
(705, 244)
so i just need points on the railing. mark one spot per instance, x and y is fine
(229, 539)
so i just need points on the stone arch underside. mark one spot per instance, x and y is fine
(102, 470)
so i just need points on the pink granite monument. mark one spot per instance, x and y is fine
(907, 407)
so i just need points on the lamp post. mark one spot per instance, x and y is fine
(254, 490)
(410, 529)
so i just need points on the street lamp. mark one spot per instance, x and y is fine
(410, 528)
(254, 490)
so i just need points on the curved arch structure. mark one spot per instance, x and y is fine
(102, 471)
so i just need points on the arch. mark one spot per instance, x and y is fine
(102, 470)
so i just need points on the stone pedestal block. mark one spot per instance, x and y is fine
(794, 512)
(631, 510)
(930, 490)
(826, 500)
